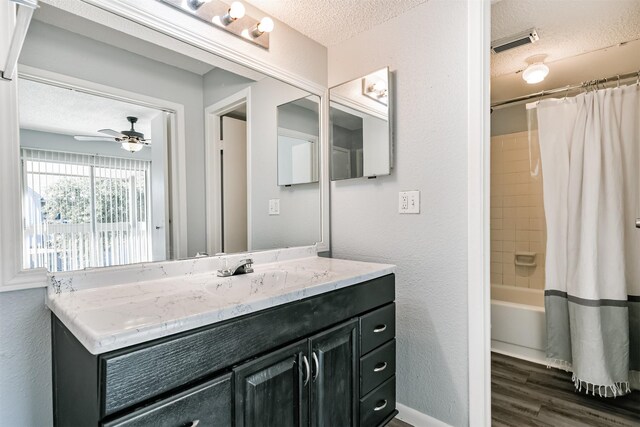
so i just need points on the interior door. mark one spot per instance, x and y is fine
(233, 146)
(159, 185)
(272, 391)
(334, 389)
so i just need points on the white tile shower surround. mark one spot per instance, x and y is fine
(109, 317)
(517, 212)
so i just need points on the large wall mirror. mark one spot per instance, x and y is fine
(133, 152)
(360, 128)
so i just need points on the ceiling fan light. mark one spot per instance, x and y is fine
(535, 73)
(132, 147)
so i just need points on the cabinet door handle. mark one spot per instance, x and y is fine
(380, 328)
(380, 367)
(193, 423)
(306, 367)
(317, 366)
(381, 405)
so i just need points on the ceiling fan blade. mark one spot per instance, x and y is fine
(94, 138)
(113, 133)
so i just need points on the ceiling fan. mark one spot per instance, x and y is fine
(129, 139)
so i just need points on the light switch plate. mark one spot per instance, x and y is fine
(274, 206)
(409, 202)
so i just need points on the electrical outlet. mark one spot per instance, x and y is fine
(274, 206)
(409, 202)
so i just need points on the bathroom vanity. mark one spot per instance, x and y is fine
(297, 342)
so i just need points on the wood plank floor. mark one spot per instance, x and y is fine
(528, 394)
(397, 423)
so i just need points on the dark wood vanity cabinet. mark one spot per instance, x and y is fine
(327, 360)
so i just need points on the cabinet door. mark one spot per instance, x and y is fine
(273, 390)
(334, 390)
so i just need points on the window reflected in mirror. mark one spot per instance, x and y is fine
(89, 192)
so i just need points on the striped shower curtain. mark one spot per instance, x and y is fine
(590, 152)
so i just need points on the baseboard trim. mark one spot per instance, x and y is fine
(523, 353)
(416, 418)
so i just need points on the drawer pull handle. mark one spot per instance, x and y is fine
(380, 367)
(380, 328)
(193, 423)
(308, 371)
(381, 405)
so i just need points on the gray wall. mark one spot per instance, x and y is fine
(426, 49)
(299, 220)
(51, 48)
(25, 360)
(299, 119)
(509, 120)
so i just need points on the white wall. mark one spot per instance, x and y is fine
(426, 49)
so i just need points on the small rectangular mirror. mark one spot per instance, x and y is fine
(360, 128)
(298, 141)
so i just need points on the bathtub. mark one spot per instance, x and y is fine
(518, 322)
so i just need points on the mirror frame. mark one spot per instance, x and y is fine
(151, 22)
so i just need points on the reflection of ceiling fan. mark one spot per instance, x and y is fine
(129, 139)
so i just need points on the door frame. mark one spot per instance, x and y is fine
(478, 203)
(213, 183)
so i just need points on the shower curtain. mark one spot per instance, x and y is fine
(590, 155)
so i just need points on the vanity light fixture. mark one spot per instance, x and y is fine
(235, 12)
(535, 73)
(378, 90)
(375, 88)
(264, 26)
(196, 4)
(227, 15)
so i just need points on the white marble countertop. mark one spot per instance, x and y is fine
(111, 317)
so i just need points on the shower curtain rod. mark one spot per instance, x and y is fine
(543, 93)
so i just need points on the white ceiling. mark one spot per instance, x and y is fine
(53, 109)
(566, 28)
(331, 22)
(583, 40)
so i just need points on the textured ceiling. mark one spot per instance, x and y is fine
(53, 109)
(566, 28)
(330, 22)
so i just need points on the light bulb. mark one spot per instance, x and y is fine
(131, 146)
(236, 11)
(265, 26)
(535, 73)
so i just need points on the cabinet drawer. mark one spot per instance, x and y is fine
(206, 405)
(377, 327)
(377, 367)
(379, 404)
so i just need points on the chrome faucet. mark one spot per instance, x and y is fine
(241, 267)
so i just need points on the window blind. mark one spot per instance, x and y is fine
(84, 210)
